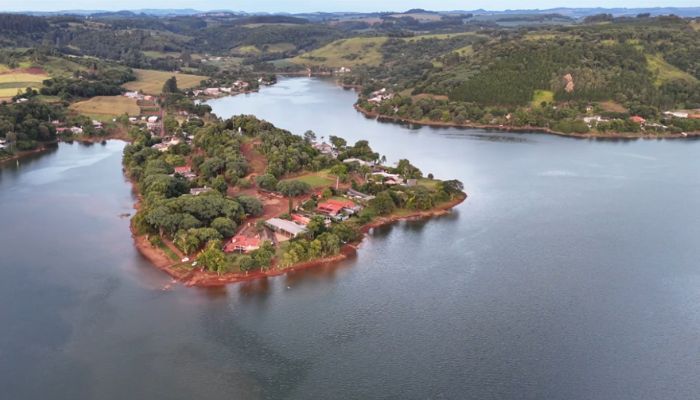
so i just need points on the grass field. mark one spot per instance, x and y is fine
(440, 36)
(106, 107)
(345, 53)
(541, 95)
(695, 25)
(151, 82)
(611, 106)
(665, 71)
(11, 82)
(317, 179)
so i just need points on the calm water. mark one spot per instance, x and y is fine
(572, 272)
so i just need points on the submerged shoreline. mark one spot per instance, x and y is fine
(200, 278)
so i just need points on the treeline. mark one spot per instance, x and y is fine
(94, 81)
(23, 125)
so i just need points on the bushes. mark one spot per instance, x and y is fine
(267, 182)
(293, 188)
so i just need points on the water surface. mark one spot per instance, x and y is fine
(570, 273)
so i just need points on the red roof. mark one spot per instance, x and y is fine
(300, 219)
(334, 206)
(242, 243)
(183, 170)
(637, 119)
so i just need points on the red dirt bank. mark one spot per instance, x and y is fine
(200, 278)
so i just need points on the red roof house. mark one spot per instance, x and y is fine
(242, 244)
(333, 207)
(637, 119)
(183, 170)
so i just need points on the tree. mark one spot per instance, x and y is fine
(219, 184)
(383, 204)
(293, 188)
(338, 142)
(212, 258)
(252, 205)
(267, 181)
(309, 136)
(170, 85)
(224, 226)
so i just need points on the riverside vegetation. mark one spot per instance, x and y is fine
(256, 172)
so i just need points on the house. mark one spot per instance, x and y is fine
(287, 228)
(242, 244)
(186, 172)
(300, 219)
(76, 130)
(637, 119)
(676, 114)
(359, 195)
(183, 170)
(198, 191)
(358, 161)
(97, 124)
(380, 95)
(334, 207)
(212, 91)
(411, 182)
(152, 119)
(326, 149)
(389, 179)
(134, 95)
(594, 120)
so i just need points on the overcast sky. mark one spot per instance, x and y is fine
(328, 5)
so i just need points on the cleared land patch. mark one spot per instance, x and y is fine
(666, 72)
(316, 180)
(346, 53)
(540, 96)
(107, 106)
(12, 81)
(151, 82)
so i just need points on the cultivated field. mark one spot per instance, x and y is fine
(19, 79)
(105, 107)
(151, 82)
(345, 53)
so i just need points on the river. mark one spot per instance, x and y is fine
(571, 272)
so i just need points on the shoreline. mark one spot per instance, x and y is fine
(522, 129)
(517, 129)
(199, 278)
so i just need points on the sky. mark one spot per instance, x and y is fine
(328, 5)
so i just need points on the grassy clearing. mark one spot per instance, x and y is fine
(151, 82)
(465, 51)
(169, 252)
(666, 72)
(316, 180)
(611, 106)
(11, 82)
(428, 183)
(107, 106)
(695, 25)
(247, 50)
(279, 47)
(534, 36)
(345, 53)
(541, 95)
(441, 36)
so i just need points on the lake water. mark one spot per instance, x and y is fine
(571, 272)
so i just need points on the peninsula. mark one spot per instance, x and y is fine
(226, 201)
